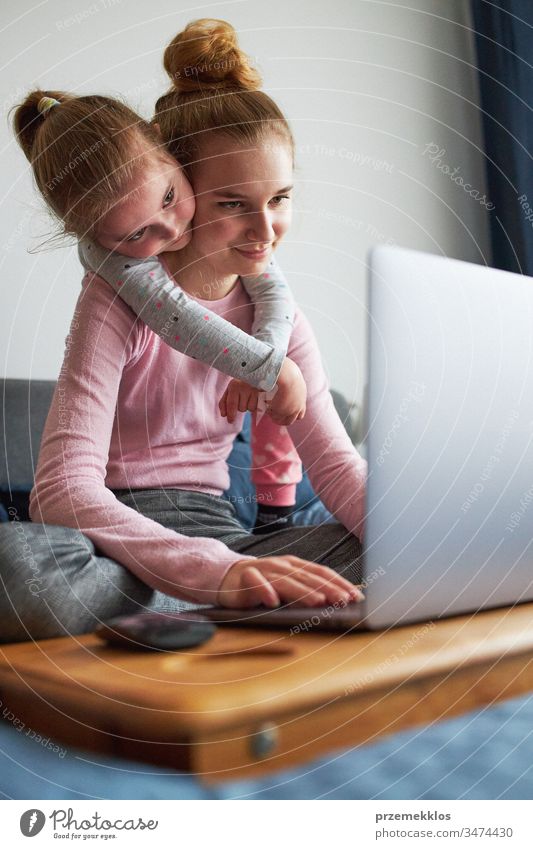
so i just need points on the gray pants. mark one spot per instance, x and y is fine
(52, 581)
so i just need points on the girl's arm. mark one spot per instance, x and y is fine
(273, 323)
(338, 474)
(336, 470)
(70, 482)
(273, 306)
(190, 328)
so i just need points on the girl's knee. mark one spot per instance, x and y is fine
(30, 553)
(30, 573)
(52, 583)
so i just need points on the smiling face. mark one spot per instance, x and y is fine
(243, 204)
(154, 216)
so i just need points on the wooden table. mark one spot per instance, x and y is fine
(252, 701)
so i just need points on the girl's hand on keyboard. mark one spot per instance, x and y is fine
(273, 580)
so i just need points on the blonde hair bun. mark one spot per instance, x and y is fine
(206, 54)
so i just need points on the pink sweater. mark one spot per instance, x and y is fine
(130, 412)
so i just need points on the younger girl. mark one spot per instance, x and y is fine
(142, 281)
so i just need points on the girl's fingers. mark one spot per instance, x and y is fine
(270, 583)
(327, 576)
(262, 403)
(222, 404)
(337, 580)
(332, 591)
(291, 589)
(258, 588)
(244, 398)
(252, 402)
(232, 403)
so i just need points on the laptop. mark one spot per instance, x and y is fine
(449, 444)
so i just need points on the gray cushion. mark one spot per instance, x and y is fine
(25, 405)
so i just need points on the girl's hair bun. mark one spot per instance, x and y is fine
(28, 118)
(206, 54)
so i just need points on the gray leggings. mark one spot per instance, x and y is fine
(52, 581)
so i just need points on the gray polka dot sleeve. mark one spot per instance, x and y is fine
(190, 328)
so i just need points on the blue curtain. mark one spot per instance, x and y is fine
(504, 44)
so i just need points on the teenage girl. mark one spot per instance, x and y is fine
(139, 453)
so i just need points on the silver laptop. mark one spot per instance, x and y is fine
(450, 429)
(450, 438)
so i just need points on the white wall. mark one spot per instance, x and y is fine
(367, 86)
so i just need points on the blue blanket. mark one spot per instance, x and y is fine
(482, 755)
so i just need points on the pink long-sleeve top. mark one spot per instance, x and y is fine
(131, 412)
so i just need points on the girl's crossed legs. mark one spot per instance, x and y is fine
(52, 582)
(197, 514)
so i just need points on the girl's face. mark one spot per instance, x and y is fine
(243, 203)
(154, 216)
